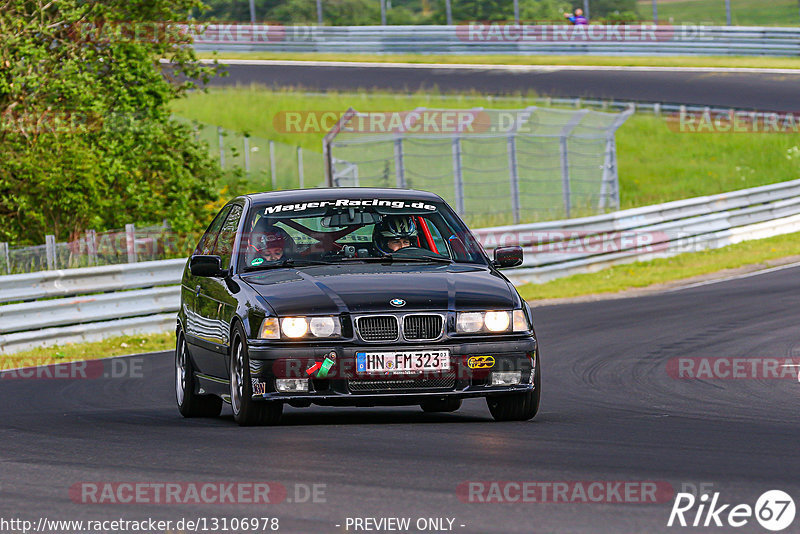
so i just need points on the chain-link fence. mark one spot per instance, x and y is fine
(128, 245)
(493, 166)
(266, 165)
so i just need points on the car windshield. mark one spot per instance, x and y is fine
(355, 230)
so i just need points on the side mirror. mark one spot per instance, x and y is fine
(207, 266)
(507, 257)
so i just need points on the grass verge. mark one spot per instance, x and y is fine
(712, 12)
(501, 59)
(757, 252)
(116, 346)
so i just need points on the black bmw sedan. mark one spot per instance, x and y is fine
(350, 297)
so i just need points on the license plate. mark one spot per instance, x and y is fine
(404, 362)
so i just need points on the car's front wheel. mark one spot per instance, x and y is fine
(190, 404)
(517, 406)
(246, 411)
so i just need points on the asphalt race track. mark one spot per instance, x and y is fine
(738, 88)
(610, 412)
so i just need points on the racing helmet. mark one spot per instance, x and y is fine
(393, 227)
(265, 237)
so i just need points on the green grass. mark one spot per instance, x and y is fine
(712, 12)
(116, 346)
(656, 164)
(643, 274)
(501, 59)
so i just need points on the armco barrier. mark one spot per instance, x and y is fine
(560, 248)
(144, 297)
(504, 38)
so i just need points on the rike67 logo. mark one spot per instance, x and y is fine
(774, 510)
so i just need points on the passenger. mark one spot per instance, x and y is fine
(269, 243)
(393, 233)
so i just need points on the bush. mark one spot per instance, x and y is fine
(86, 137)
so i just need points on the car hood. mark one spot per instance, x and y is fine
(364, 288)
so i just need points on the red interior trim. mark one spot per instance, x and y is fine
(427, 233)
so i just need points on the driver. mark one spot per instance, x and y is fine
(269, 243)
(393, 233)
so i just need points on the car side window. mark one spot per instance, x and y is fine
(227, 236)
(206, 245)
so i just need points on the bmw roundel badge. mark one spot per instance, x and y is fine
(397, 303)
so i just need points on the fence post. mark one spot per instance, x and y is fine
(221, 148)
(610, 180)
(458, 179)
(399, 163)
(91, 246)
(565, 187)
(272, 171)
(50, 251)
(4, 256)
(130, 242)
(514, 175)
(448, 9)
(564, 156)
(247, 153)
(300, 167)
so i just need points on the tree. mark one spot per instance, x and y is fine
(86, 138)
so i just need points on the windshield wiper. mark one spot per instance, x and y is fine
(388, 258)
(286, 262)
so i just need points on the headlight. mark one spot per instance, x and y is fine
(497, 321)
(294, 326)
(491, 322)
(469, 322)
(301, 327)
(322, 326)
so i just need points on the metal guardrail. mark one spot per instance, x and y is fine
(144, 296)
(100, 302)
(67, 282)
(504, 38)
(561, 248)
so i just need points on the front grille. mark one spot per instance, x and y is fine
(422, 327)
(447, 381)
(380, 328)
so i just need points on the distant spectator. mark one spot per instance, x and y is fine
(577, 18)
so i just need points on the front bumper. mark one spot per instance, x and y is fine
(343, 386)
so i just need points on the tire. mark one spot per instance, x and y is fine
(518, 406)
(190, 404)
(441, 405)
(246, 411)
